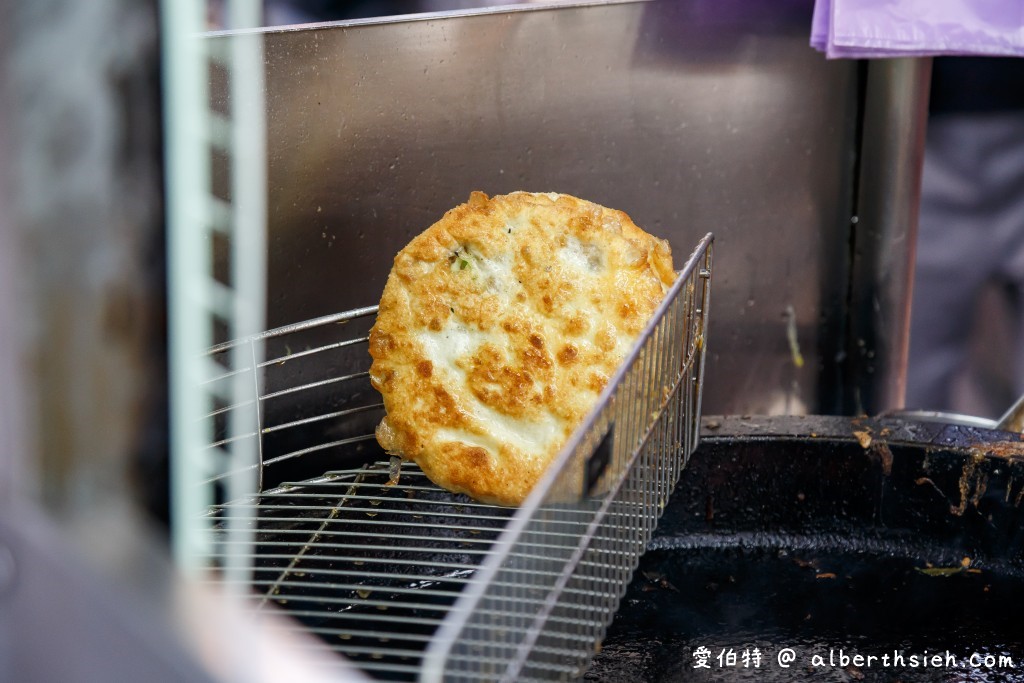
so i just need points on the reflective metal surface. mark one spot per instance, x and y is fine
(691, 116)
(1013, 418)
(885, 233)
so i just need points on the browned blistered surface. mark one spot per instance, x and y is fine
(499, 326)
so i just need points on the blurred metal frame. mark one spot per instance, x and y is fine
(210, 216)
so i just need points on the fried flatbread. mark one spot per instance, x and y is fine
(498, 328)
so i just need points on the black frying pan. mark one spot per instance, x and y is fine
(833, 537)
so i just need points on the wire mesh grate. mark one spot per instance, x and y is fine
(415, 583)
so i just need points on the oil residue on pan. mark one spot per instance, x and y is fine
(791, 551)
(824, 604)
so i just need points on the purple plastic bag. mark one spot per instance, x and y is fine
(909, 28)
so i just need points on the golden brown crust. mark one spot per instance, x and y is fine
(498, 327)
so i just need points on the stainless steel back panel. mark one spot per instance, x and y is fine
(691, 116)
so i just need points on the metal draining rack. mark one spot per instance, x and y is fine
(411, 582)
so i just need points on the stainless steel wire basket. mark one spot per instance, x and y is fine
(411, 582)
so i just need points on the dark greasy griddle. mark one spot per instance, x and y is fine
(831, 533)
